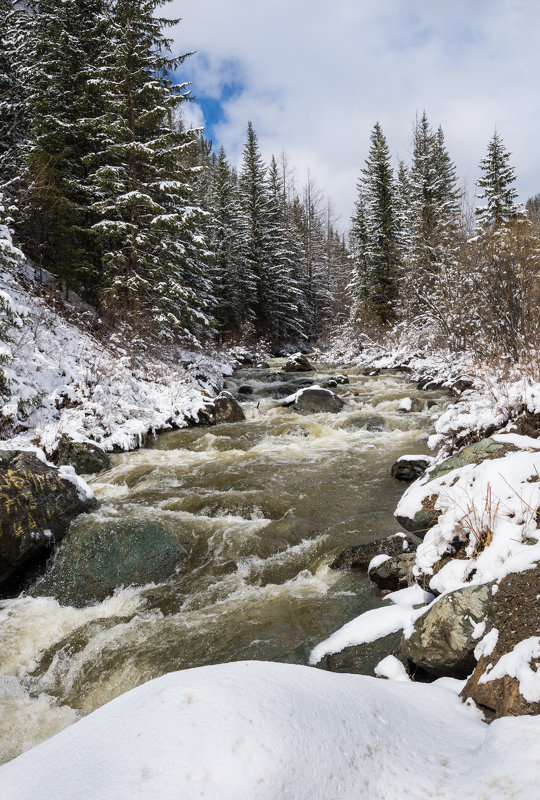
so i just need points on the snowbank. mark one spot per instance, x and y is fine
(64, 381)
(267, 731)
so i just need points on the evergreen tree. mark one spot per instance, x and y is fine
(232, 279)
(61, 107)
(255, 205)
(285, 300)
(375, 231)
(149, 226)
(497, 187)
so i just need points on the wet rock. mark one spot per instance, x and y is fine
(410, 404)
(514, 612)
(369, 422)
(424, 519)
(85, 457)
(428, 384)
(330, 384)
(245, 389)
(227, 409)
(302, 383)
(360, 555)
(298, 363)
(207, 414)
(36, 507)
(363, 658)
(340, 379)
(394, 573)
(95, 559)
(461, 385)
(317, 400)
(409, 468)
(263, 365)
(443, 642)
(370, 372)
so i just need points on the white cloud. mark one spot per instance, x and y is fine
(316, 75)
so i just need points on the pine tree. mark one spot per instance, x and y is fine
(61, 106)
(497, 185)
(285, 299)
(149, 226)
(232, 280)
(375, 231)
(255, 205)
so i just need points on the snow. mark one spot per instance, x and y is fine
(392, 669)
(500, 495)
(68, 473)
(65, 381)
(405, 404)
(376, 561)
(375, 623)
(268, 731)
(517, 664)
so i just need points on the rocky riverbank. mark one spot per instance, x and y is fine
(462, 590)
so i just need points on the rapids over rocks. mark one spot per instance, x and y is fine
(266, 505)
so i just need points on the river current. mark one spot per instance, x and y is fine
(267, 503)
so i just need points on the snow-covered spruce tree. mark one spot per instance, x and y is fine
(154, 261)
(375, 232)
(429, 240)
(231, 275)
(255, 205)
(14, 21)
(61, 107)
(497, 187)
(285, 301)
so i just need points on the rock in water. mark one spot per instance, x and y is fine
(97, 558)
(394, 573)
(409, 468)
(368, 422)
(298, 363)
(443, 640)
(358, 556)
(315, 400)
(37, 505)
(227, 409)
(85, 457)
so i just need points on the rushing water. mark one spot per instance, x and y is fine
(267, 503)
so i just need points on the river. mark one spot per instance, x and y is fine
(267, 504)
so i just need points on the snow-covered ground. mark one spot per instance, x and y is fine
(63, 380)
(268, 731)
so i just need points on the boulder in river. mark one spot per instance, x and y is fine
(298, 363)
(95, 559)
(368, 422)
(409, 468)
(409, 404)
(227, 409)
(37, 504)
(443, 640)
(393, 572)
(315, 400)
(361, 659)
(360, 555)
(85, 457)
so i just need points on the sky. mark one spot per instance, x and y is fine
(314, 76)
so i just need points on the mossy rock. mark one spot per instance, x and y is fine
(97, 558)
(85, 457)
(475, 453)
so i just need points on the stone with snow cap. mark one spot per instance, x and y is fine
(298, 363)
(314, 400)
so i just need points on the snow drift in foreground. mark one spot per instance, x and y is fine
(278, 731)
